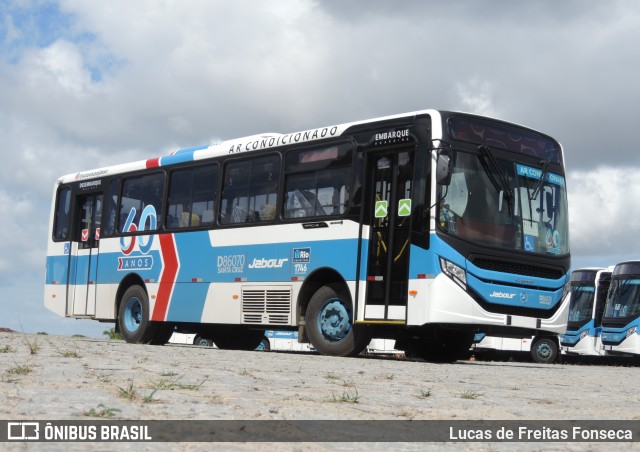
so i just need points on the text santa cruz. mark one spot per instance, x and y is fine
(298, 137)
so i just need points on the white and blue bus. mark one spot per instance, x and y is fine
(589, 289)
(621, 318)
(421, 227)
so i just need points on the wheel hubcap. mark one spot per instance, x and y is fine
(544, 350)
(133, 314)
(333, 321)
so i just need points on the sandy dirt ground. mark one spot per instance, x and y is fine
(71, 378)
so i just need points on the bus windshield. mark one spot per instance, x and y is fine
(623, 301)
(582, 296)
(504, 204)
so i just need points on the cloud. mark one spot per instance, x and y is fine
(605, 212)
(58, 70)
(476, 96)
(22, 236)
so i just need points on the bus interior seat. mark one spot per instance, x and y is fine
(298, 205)
(268, 212)
(238, 214)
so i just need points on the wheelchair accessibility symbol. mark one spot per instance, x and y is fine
(529, 243)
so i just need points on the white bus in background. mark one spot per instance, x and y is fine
(543, 349)
(272, 340)
(286, 341)
(383, 347)
(589, 289)
(621, 318)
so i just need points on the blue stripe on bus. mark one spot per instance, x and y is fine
(82, 269)
(57, 269)
(180, 156)
(191, 149)
(505, 294)
(187, 302)
(112, 267)
(199, 260)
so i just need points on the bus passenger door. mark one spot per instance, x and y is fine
(84, 256)
(389, 194)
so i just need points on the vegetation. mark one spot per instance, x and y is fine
(112, 335)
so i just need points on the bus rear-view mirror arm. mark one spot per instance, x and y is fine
(443, 170)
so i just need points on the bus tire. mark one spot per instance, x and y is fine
(544, 350)
(202, 341)
(329, 323)
(264, 345)
(134, 315)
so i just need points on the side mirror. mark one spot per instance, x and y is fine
(443, 170)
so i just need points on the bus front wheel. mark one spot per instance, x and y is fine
(133, 317)
(544, 350)
(329, 323)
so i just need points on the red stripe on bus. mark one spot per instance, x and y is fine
(167, 277)
(153, 163)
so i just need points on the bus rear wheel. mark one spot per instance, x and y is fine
(134, 315)
(329, 323)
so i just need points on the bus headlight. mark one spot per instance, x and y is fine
(631, 331)
(584, 334)
(454, 272)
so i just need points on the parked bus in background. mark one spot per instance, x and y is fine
(423, 227)
(272, 340)
(589, 288)
(543, 349)
(621, 318)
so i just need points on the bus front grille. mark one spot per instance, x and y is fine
(266, 305)
(519, 268)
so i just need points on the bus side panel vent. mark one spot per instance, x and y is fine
(266, 305)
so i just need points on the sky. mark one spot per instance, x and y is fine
(86, 84)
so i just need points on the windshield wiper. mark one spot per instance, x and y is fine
(504, 184)
(543, 176)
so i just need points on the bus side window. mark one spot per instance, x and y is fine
(192, 196)
(112, 208)
(61, 220)
(138, 193)
(180, 187)
(317, 181)
(205, 183)
(316, 194)
(249, 192)
(152, 193)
